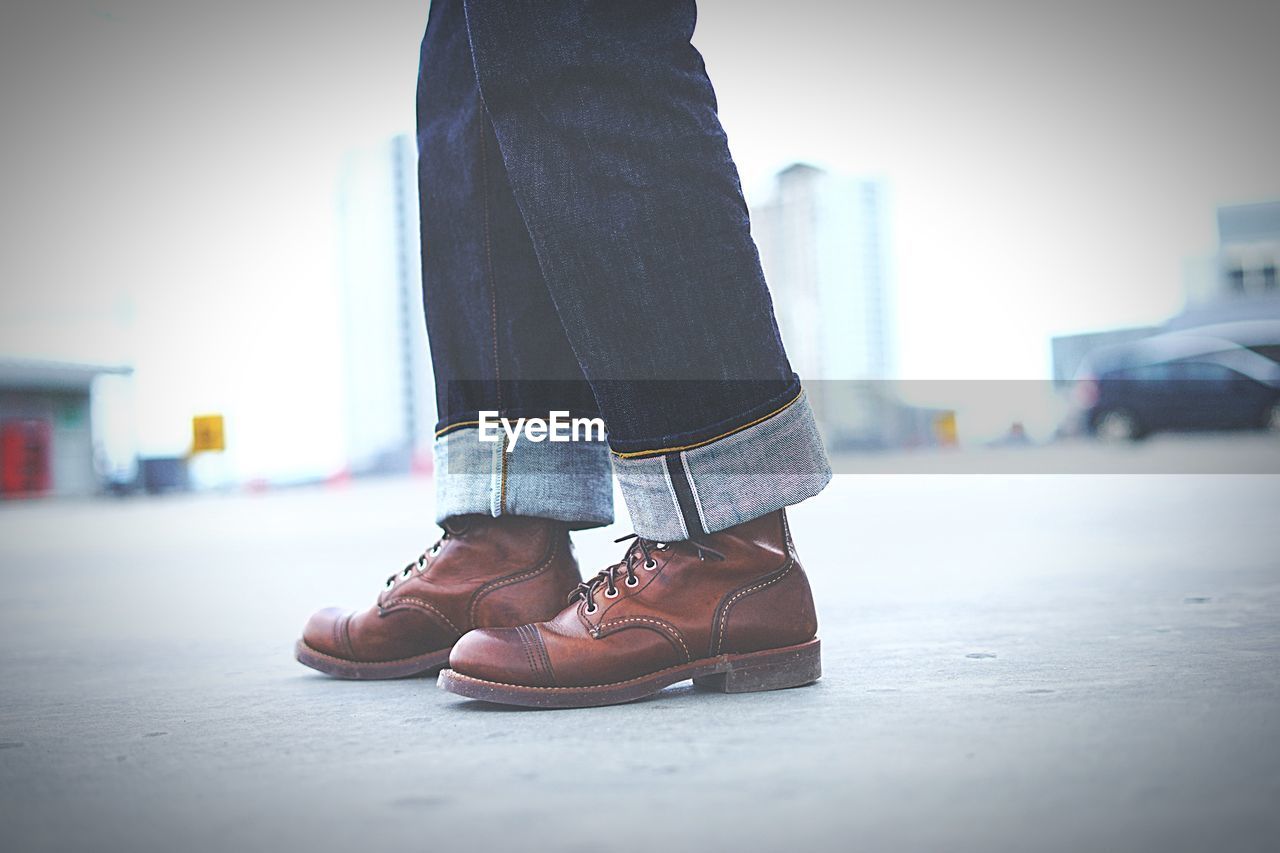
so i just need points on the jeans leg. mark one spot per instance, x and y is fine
(496, 340)
(608, 130)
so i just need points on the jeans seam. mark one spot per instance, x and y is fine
(451, 427)
(675, 501)
(693, 487)
(643, 454)
(502, 481)
(493, 291)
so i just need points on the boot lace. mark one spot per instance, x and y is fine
(640, 553)
(419, 565)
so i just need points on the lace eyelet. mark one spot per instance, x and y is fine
(650, 565)
(591, 608)
(608, 594)
(660, 546)
(633, 581)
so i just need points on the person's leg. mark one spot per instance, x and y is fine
(608, 130)
(497, 344)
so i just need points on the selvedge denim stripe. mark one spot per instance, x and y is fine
(772, 464)
(775, 463)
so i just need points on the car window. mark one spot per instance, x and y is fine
(1271, 351)
(1213, 376)
(1143, 373)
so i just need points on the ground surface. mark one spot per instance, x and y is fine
(1012, 663)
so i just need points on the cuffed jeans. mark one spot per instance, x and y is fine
(586, 249)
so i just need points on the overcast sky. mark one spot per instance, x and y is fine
(169, 172)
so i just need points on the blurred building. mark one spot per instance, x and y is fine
(824, 246)
(47, 440)
(388, 402)
(1238, 282)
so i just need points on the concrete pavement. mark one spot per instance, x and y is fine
(1012, 663)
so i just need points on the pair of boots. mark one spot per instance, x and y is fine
(733, 611)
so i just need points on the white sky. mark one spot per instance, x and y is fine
(170, 170)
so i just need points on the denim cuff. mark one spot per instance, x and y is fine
(682, 492)
(569, 481)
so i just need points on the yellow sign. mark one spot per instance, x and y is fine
(206, 433)
(944, 429)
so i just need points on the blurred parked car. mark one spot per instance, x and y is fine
(1221, 377)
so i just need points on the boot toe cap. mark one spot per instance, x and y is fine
(325, 632)
(505, 655)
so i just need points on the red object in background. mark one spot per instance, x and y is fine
(24, 457)
(1086, 392)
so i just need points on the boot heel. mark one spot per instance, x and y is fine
(779, 669)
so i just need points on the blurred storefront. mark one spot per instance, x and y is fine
(46, 430)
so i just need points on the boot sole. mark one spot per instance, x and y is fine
(370, 671)
(772, 669)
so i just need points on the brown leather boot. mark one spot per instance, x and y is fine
(484, 572)
(732, 611)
